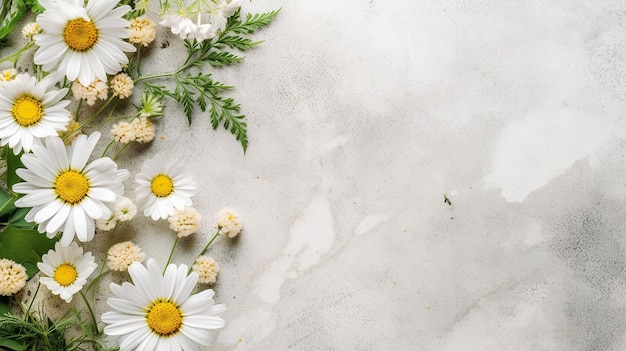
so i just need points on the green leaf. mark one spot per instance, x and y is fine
(252, 22)
(6, 203)
(34, 6)
(13, 163)
(18, 221)
(236, 42)
(222, 58)
(11, 11)
(24, 246)
(12, 344)
(222, 112)
(4, 305)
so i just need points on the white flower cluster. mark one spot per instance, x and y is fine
(122, 211)
(96, 90)
(179, 18)
(120, 256)
(12, 277)
(142, 31)
(139, 129)
(207, 270)
(228, 222)
(185, 222)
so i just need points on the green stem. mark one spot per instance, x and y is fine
(138, 58)
(92, 117)
(30, 305)
(91, 283)
(93, 315)
(16, 56)
(154, 76)
(77, 113)
(119, 152)
(89, 120)
(107, 148)
(206, 247)
(169, 259)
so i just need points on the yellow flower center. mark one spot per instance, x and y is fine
(65, 274)
(164, 318)
(71, 186)
(80, 35)
(27, 111)
(162, 185)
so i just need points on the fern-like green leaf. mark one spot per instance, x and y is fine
(252, 22)
(222, 58)
(235, 42)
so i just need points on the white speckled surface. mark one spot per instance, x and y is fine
(362, 115)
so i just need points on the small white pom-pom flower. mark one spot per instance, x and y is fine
(142, 31)
(144, 130)
(97, 89)
(122, 85)
(12, 277)
(123, 132)
(207, 270)
(120, 256)
(185, 222)
(30, 30)
(228, 222)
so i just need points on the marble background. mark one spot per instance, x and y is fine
(363, 115)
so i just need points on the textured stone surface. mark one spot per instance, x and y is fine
(362, 115)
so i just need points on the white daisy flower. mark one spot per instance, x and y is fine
(66, 269)
(66, 192)
(85, 42)
(158, 312)
(29, 110)
(163, 187)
